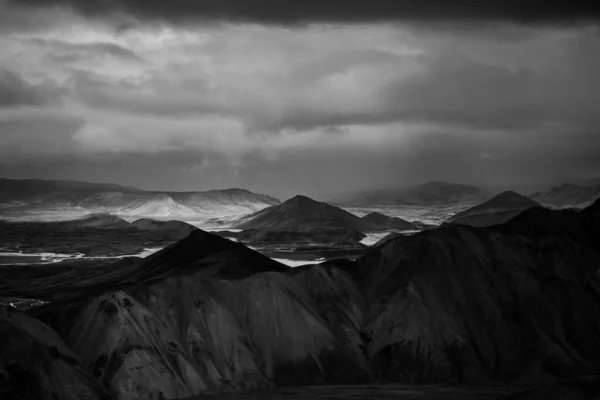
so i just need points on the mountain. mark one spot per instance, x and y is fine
(98, 235)
(160, 205)
(97, 220)
(22, 199)
(37, 355)
(511, 304)
(387, 222)
(497, 210)
(569, 195)
(41, 191)
(301, 212)
(478, 305)
(430, 193)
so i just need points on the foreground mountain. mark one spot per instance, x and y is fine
(478, 305)
(569, 195)
(497, 210)
(37, 364)
(301, 212)
(387, 222)
(516, 303)
(430, 193)
(24, 198)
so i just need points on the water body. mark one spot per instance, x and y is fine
(7, 258)
(297, 263)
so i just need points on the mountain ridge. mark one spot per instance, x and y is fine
(18, 197)
(428, 193)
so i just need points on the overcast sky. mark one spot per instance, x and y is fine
(308, 97)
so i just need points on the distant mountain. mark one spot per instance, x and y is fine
(159, 205)
(98, 235)
(569, 195)
(497, 210)
(22, 196)
(387, 222)
(430, 193)
(43, 191)
(302, 212)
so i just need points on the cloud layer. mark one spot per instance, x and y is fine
(293, 11)
(298, 108)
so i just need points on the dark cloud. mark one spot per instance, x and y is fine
(295, 11)
(14, 91)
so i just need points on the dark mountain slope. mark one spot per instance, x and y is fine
(476, 305)
(303, 212)
(387, 222)
(35, 363)
(497, 210)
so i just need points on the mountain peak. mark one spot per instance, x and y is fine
(301, 199)
(498, 209)
(511, 198)
(301, 212)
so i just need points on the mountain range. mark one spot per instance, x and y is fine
(96, 235)
(431, 193)
(18, 197)
(514, 303)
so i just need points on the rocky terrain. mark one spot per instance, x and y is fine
(38, 199)
(515, 303)
(301, 212)
(93, 235)
(497, 210)
(430, 193)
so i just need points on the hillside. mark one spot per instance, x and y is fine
(160, 205)
(497, 210)
(430, 193)
(301, 212)
(569, 195)
(387, 222)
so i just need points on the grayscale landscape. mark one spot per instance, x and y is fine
(252, 199)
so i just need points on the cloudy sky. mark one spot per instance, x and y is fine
(285, 97)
